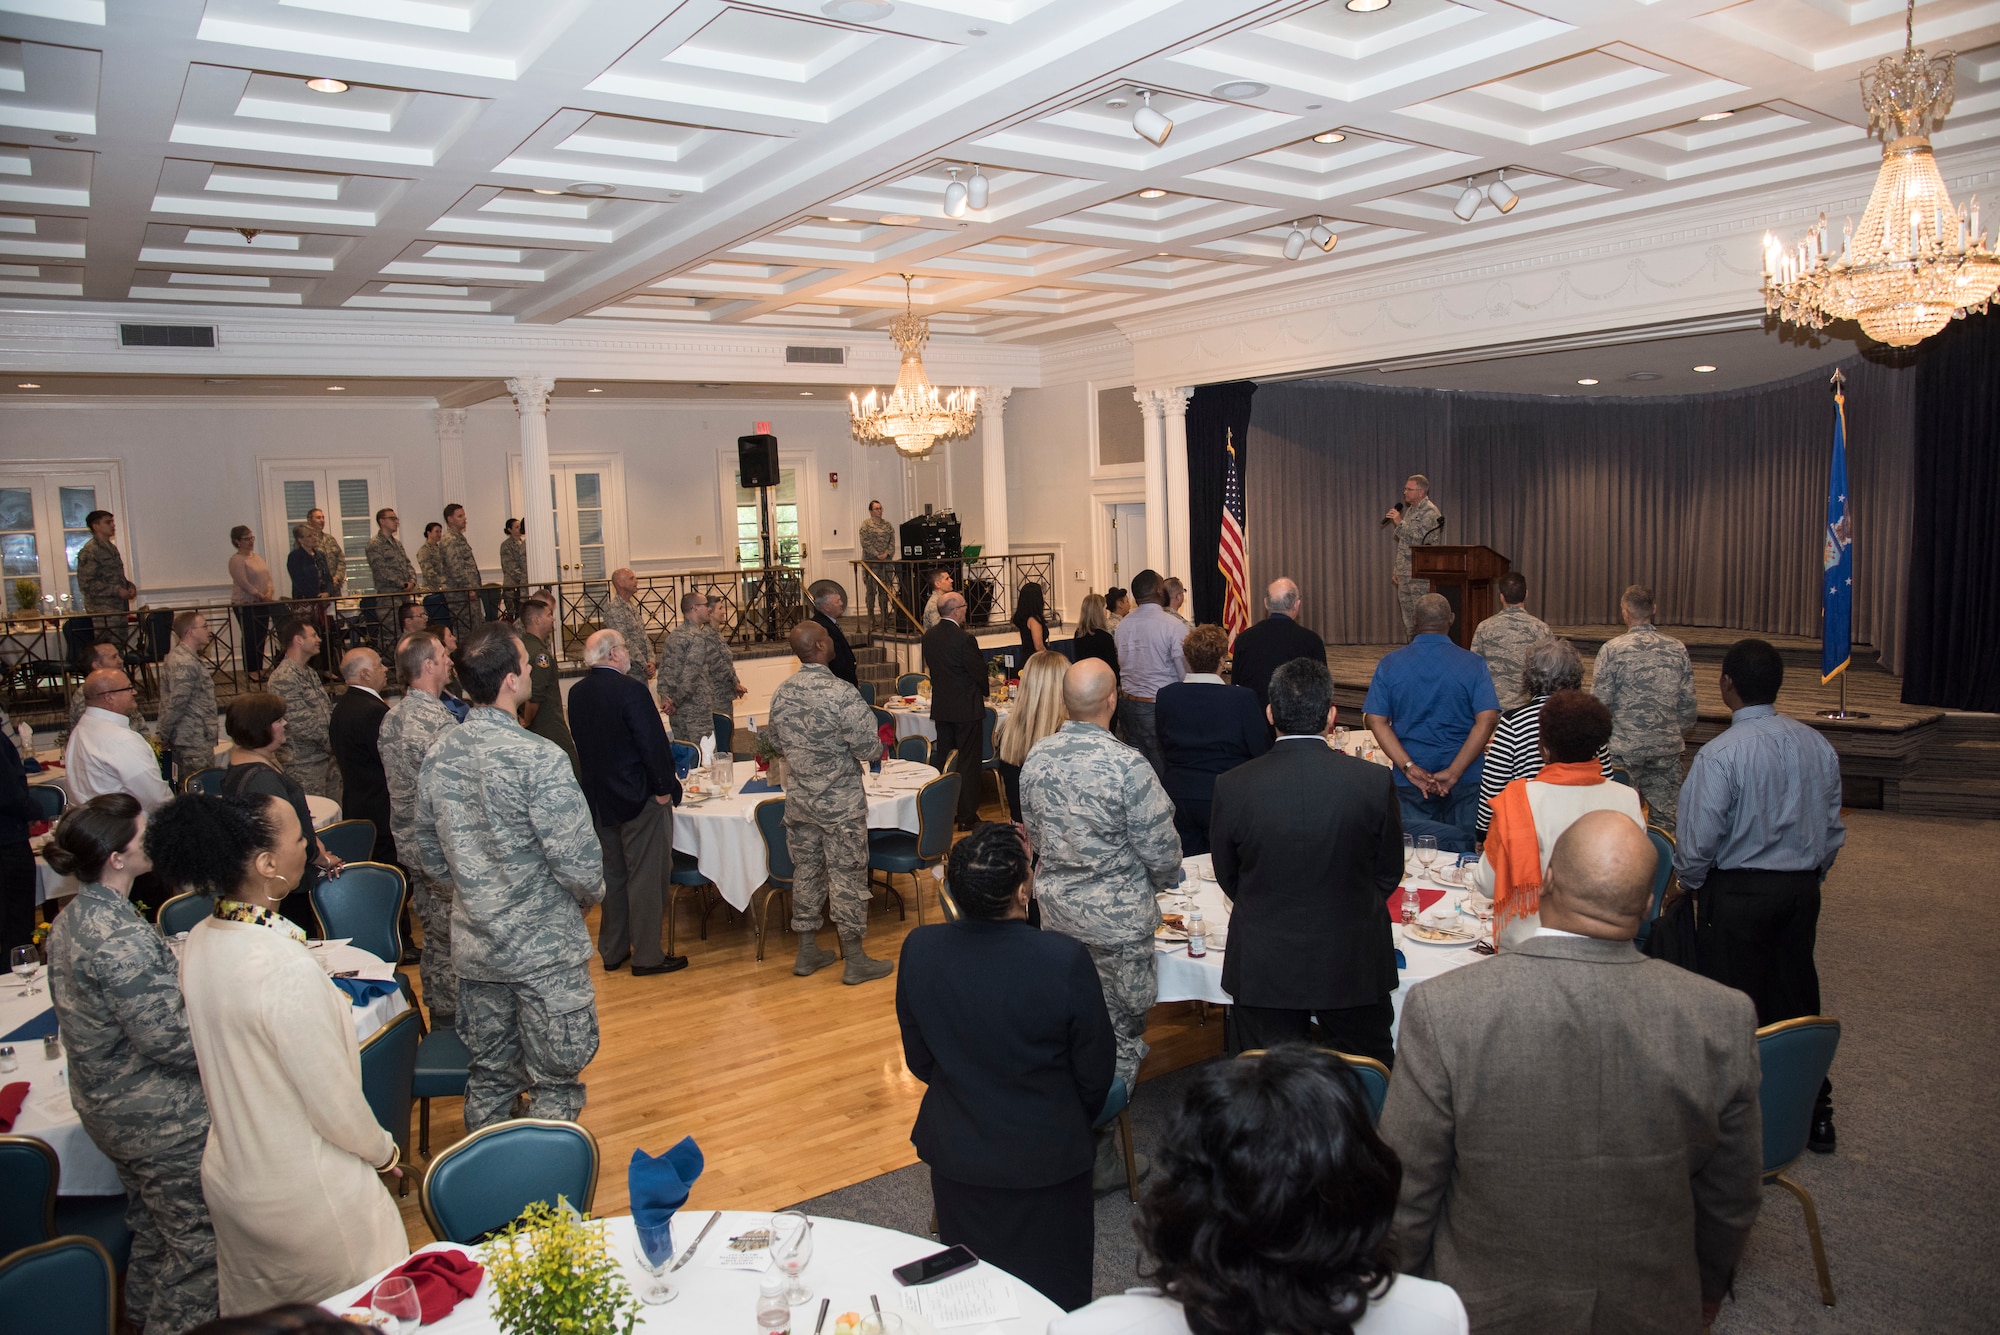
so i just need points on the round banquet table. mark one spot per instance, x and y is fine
(915, 720)
(721, 832)
(48, 1116)
(850, 1261)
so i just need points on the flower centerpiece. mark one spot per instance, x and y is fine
(552, 1272)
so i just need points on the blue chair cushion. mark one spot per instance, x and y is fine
(893, 851)
(99, 1217)
(478, 1187)
(64, 1286)
(442, 1062)
(686, 870)
(1115, 1100)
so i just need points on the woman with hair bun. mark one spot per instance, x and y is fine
(1007, 1027)
(132, 1076)
(293, 1149)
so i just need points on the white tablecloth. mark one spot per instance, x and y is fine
(48, 1116)
(915, 721)
(325, 811)
(1185, 979)
(849, 1262)
(722, 835)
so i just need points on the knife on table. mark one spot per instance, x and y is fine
(688, 1255)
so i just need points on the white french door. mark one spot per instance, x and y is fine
(350, 493)
(585, 511)
(42, 509)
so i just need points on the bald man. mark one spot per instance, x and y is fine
(826, 733)
(1103, 829)
(106, 754)
(1667, 1155)
(354, 735)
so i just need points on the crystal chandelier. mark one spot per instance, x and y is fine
(1917, 262)
(914, 414)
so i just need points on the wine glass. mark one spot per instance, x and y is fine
(791, 1248)
(27, 965)
(1427, 851)
(395, 1307)
(724, 769)
(654, 1247)
(1409, 851)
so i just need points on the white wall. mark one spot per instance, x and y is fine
(1050, 491)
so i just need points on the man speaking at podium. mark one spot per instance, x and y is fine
(1418, 523)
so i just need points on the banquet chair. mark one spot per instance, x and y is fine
(1117, 1106)
(388, 1071)
(443, 1064)
(32, 1210)
(867, 689)
(205, 781)
(364, 904)
(725, 732)
(1373, 1075)
(915, 747)
(687, 756)
(1794, 1056)
(180, 913)
(49, 800)
(778, 862)
(947, 905)
(1619, 774)
(989, 756)
(894, 852)
(68, 1284)
(1663, 872)
(883, 718)
(688, 878)
(907, 683)
(484, 1182)
(350, 840)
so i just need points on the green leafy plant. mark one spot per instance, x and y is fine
(553, 1272)
(767, 750)
(26, 594)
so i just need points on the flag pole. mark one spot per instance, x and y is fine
(1838, 382)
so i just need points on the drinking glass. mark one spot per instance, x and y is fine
(791, 1248)
(725, 774)
(1427, 851)
(27, 965)
(395, 1307)
(883, 1323)
(654, 1247)
(1409, 851)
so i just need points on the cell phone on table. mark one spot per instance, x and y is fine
(936, 1266)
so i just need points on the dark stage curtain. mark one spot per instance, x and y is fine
(1716, 501)
(1953, 637)
(1213, 413)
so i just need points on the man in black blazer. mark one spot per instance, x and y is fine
(1274, 641)
(626, 766)
(958, 698)
(1308, 844)
(1207, 728)
(353, 730)
(829, 602)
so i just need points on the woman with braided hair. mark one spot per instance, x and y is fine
(1007, 1027)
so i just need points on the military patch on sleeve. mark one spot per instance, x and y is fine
(541, 660)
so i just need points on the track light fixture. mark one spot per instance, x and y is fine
(1503, 198)
(1468, 201)
(976, 188)
(954, 195)
(1323, 236)
(1295, 244)
(1150, 124)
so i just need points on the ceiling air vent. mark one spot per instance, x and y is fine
(166, 335)
(816, 356)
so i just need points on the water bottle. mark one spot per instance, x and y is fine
(774, 1315)
(27, 736)
(1411, 905)
(1197, 935)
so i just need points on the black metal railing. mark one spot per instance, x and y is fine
(991, 584)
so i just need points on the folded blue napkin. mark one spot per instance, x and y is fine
(361, 991)
(758, 786)
(659, 1186)
(40, 1027)
(1401, 963)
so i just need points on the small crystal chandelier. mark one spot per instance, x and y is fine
(914, 414)
(1918, 261)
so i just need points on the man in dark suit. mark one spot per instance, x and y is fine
(1274, 641)
(1308, 844)
(829, 602)
(352, 731)
(626, 766)
(1207, 727)
(1579, 1128)
(958, 698)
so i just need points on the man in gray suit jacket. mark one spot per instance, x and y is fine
(1581, 1142)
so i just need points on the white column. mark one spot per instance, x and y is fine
(531, 401)
(993, 466)
(1175, 405)
(1151, 407)
(451, 457)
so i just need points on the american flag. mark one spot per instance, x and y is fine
(1233, 558)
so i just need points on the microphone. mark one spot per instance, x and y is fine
(1398, 508)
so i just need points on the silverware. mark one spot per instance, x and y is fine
(820, 1325)
(688, 1255)
(875, 1303)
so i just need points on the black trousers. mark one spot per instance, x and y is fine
(1010, 781)
(1046, 1237)
(1191, 824)
(1361, 1030)
(1756, 934)
(963, 738)
(17, 895)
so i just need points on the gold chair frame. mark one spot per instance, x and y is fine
(1777, 1175)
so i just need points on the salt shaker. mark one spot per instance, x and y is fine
(8, 1062)
(52, 1046)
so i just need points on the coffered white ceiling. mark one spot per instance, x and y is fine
(778, 164)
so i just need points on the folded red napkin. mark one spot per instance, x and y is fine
(443, 1280)
(1425, 898)
(38, 828)
(11, 1099)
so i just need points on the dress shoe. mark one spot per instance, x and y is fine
(1821, 1140)
(668, 964)
(413, 955)
(613, 966)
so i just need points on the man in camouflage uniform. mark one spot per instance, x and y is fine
(188, 726)
(1504, 639)
(412, 725)
(826, 733)
(878, 549)
(307, 754)
(461, 571)
(136, 1089)
(100, 573)
(697, 675)
(543, 714)
(1103, 830)
(395, 579)
(622, 614)
(331, 556)
(1418, 523)
(514, 564)
(499, 812)
(1647, 681)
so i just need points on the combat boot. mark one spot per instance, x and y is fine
(860, 968)
(811, 958)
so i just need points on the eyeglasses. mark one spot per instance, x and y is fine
(116, 690)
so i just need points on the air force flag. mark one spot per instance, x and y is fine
(1836, 589)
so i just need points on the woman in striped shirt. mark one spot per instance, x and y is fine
(1516, 749)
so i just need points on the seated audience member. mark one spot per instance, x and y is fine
(293, 1147)
(1093, 632)
(1529, 815)
(1274, 641)
(1038, 711)
(1550, 1197)
(1007, 1028)
(1516, 749)
(1505, 638)
(1431, 707)
(132, 1077)
(256, 724)
(106, 751)
(1271, 1215)
(1117, 602)
(1207, 727)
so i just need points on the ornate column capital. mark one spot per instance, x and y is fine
(449, 421)
(1152, 402)
(531, 393)
(993, 398)
(1174, 401)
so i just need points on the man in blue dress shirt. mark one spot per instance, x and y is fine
(1432, 708)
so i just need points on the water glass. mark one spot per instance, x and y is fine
(1409, 852)
(791, 1249)
(724, 770)
(654, 1248)
(394, 1307)
(26, 962)
(1427, 851)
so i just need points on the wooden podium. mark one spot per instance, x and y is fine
(1465, 576)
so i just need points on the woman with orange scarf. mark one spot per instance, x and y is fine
(1529, 815)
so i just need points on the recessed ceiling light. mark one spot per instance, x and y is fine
(805, 393)
(1367, 6)
(540, 191)
(901, 220)
(326, 85)
(66, 138)
(1330, 137)
(975, 32)
(1644, 375)
(590, 188)
(1586, 381)
(1314, 106)
(1151, 193)
(1703, 370)
(593, 391)
(1716, 116)
(842, 220)
(1588, 172)
(27, 384)
(1241, 89)
(858, 11)
(214, 380)
(336, 388)
(1161, 254)
(711, 384)
(1117, 102)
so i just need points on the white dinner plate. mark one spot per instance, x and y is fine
(1410, 935)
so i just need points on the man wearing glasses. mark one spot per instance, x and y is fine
(105, 754)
